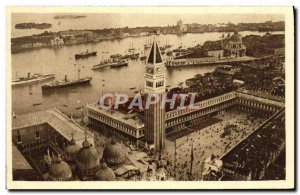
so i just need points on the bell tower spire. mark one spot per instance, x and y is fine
(155, 84)
(155, 71)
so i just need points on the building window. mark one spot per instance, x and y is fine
(149, 84)
(19, 139)
(159, 84)
(37, 135)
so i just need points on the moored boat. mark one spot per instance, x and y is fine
(147, 46)
(110, 63)
(119, 64)
(169, 53)
(143, 58)
(32, 79)
(66, 83)
(85, 54)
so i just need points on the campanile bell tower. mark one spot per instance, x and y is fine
(155, 84)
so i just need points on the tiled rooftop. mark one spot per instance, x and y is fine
(61, 123)
(18, 160)
(131, 119)
(262, 95)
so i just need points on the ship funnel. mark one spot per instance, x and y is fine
(28, 74)
(66, 78)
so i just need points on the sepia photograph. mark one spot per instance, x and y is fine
(150, 98)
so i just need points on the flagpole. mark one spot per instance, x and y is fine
(175, 159)
(192, 158)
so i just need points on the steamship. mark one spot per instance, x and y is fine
(31, 79)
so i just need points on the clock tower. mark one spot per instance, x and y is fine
(155, 84)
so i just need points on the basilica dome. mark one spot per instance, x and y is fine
(236, 38)
(71, 151)
(87, 157)
(60, 171)
(114, 153)
(105, 173)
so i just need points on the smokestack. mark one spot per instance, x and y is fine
(28, 75)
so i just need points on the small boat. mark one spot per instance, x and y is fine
(162, 48)
(134, 56)
(136, 91)
(116, 56)
(109, 63)
(181, 54)
(147, 46)
(85, 54)
(169, 53)
(143, 58)
(131, 48)
(119, 63)
(132, 88)
(37, 104)
(168, 46)
(65, 105)
(179, 49)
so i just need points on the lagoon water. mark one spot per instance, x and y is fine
(61, 61)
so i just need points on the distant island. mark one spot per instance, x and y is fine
(68, 37)
(69, 16)
(30, 25)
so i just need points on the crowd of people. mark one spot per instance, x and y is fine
(193, 149)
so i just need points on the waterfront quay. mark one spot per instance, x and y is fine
(207, 61)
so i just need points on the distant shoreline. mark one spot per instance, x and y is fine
(68, 16)
(70, 37)
(30, 25)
